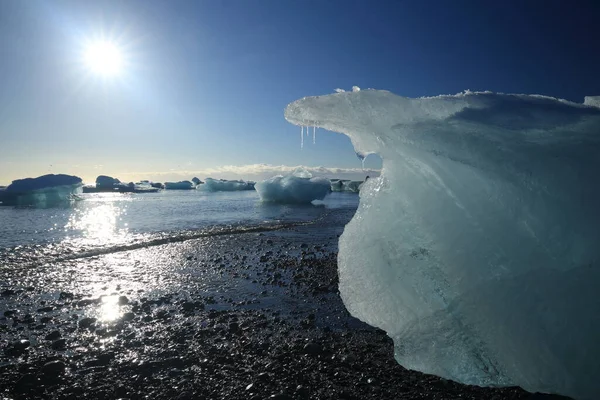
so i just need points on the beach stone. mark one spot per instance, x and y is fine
(53, 335)
(128, 316)
(234, 327)
(86, 322)
(54, 368)
(302, 392)
(21, 345)
(313, 349)
(123, 300)
(65, 296)
(59, 344)
(280, 396)
(26, 381)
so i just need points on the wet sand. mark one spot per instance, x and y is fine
(246, 316)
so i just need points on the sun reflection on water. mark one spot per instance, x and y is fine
(100, 222)
(110, 309)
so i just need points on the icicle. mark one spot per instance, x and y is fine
(301, 137)
(314, 134)
(362, 160)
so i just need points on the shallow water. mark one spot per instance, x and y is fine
(106, 222)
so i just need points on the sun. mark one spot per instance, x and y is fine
(103, 58)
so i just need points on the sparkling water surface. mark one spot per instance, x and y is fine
(107, 220)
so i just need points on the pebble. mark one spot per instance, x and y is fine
(54, 368)
(52, 335)
(86, 322)
(313, 349)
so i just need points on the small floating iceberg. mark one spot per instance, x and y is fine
(298, 188)
(181, 185)
(223, 185)
(344, 185)
(108, 184)
(46, 190)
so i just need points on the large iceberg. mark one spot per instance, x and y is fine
(296, 188)
(477, 249)
(46, 190)
(223, 185)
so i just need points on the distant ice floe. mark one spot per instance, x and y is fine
(181, 185)
(345, 185)
(46, 190)
(223, 185)
(108, 184)
(477, 249)
(296, 188)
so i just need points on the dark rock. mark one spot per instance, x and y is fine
(123, 300)
(234, 327)
(280, 396)
(65, 296)
(8, 292)
(105, 359)
(26, 381)
(347, 395)
(128, 316)
(264, 376)
(16, 349)
(59, 344)
(54, 368)
(302, 392)
(53, 335)
(21, 345)
(313, 349)
(46, 309)
(191, 306)
(87, 302)
(86, 322)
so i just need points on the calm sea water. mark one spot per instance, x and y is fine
(101, 222)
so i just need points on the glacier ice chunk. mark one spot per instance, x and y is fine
(345, 185)
(181, 185)
(108, 182)
(223, 185)
(296, 188)
(476, 249)
(46, 190)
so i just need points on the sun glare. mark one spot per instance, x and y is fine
(104, 58)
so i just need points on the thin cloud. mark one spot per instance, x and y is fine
(252, 171)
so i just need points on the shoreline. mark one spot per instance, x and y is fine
(247, 316)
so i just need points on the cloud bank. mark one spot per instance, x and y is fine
(250, 171)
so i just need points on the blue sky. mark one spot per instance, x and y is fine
(206, 82)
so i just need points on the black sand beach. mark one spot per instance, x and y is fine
(245, 316)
